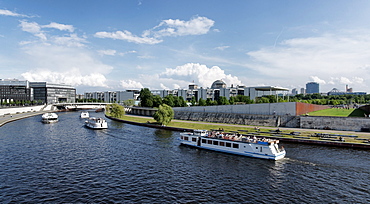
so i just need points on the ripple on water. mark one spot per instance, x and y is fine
(67, 163)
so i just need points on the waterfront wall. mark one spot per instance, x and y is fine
(307, 122)
(335, 123)
(240, 119)
(15, 110)
(255, 109)
(287, 108)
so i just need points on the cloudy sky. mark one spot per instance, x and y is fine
(112, 45)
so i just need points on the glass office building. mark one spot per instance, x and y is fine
(53, 93)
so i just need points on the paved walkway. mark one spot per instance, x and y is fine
(281, 128)
(13, 117)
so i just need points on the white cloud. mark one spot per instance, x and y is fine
(126, 35)
(131, 84)
(32, 27)
(62, 64)
(196, 26)
(345, 80)
(170, 27)
(11, 13)
(200, 74)
(107, 52)
(317, 79)
(59, 26)
(222, 48)
(343, 56)
(36, 29)
(71, 41)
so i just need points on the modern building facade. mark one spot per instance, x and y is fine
(312, 87)
(12, 90)
(217, 90)
(53, 93)
(113, 96)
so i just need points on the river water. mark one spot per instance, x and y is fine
(68, 163)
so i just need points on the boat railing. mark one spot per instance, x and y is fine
(241, 138)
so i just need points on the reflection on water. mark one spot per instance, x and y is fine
(68, 163)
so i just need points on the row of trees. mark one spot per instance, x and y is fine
(20, 103)
(148, 100)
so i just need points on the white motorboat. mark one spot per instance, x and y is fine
(96, 123)
(234, 143)
(49, 118)
(84, 114)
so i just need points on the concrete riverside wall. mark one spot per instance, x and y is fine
(288, 108)
(4, 111)
(241, 119)
(335, 123)
(307, 122)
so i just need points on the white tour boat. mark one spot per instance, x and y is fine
(96, 123)
(84, 114)
(234, 144)
(49, 118)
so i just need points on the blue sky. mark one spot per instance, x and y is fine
(165, 44)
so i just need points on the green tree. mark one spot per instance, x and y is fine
(164, 115)
(182, 102)
(202, 102)
(129, 102)
(115, 110)
(193, 101)
(157, 101)
(222, 100)
(146, 98)
(169, 100)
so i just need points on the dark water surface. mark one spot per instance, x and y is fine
(67, 163)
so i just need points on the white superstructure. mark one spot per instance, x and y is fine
(49, 118)
(234, 144)
(84, 114)
(96, 123)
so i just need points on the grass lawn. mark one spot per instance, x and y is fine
(339, 112)
(233, 127)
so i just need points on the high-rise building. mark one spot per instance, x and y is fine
(312, 87)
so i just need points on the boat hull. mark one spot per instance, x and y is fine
(49, 118)
(258, 149)
(96, 123)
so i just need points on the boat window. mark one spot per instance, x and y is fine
(256, 147)
(228, 144)
(215, 142)
(186, 138)
(182, 137)
(203, 140)
(235, 145)
(222, 143)
(194, 139)
(260, 149)
(209, 141)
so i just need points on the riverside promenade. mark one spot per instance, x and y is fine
(305, 138)
(12, 114)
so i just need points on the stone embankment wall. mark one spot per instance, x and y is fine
(15, 110)
(308, 122)
(255, 109)
(241, 119)
(335, 123)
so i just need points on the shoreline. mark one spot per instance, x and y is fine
(290, 140)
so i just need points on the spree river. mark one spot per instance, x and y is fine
(68, 163)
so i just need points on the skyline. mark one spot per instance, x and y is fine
(118, 45)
